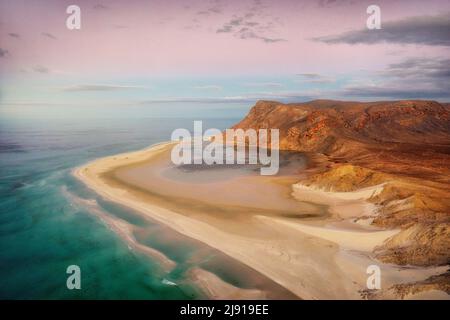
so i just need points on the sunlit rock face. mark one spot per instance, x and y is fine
(404, 145)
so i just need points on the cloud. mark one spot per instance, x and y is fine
(209, 87)
(41, 69)
(14, 35)
(254, 23)
(233, 99)
(425, 69)
(395, 93)
(328, 3)
(262, 85)
(271, 40)
(309, 75)
(425, 30)
(225, 29)
(212, 10)
(4, 53)
(230, 25)
(99, 87)
(421, 78)
(216, 10)
(315, 78)
(100, 7)
(243, 28)
(48, 35)
(283, 96)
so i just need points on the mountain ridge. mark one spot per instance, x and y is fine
(351, 130)
(404, 144)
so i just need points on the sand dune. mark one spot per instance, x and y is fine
(348, 239)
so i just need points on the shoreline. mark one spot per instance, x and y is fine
(279, 258)
(209, 283)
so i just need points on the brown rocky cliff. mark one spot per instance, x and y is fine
(300, 124)
(405, 144)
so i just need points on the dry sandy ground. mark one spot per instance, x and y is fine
(303, 239)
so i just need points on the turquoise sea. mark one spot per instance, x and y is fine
(43, 230)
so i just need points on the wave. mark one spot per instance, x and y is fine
(122, 228)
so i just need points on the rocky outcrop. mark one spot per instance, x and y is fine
(346, 177)
(420, 244)
(439, 282)
(422, 212)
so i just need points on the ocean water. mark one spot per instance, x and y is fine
(43, 229)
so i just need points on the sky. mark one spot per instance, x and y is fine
(222, 51)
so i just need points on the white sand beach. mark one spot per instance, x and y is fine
(311, 248)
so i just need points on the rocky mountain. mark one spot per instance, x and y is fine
(396, 134)
(403, 144)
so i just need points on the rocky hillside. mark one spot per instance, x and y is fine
(403, 144)
(397, 134)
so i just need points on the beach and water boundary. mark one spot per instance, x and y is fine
(297, 261)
